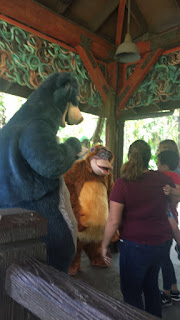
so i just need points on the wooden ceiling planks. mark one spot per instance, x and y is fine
(160, 15)
(138, 18)
(100, 17)
(32, 14)
(58, 6)
(84, 11)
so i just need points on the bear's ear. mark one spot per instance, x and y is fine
(68, 82)
(63, 79)
(66, 90)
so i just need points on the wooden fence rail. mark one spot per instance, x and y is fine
(53, 295)
(20, 233)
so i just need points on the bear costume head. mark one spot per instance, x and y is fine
(56, 98)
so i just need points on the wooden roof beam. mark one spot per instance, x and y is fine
(120, 21)
(94, 71)
(167, 40)
(147, 114)
(157, 109)
(39, 18)
(109, 7)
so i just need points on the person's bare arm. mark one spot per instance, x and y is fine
(112, 224)
(173, 193)
(175, 229)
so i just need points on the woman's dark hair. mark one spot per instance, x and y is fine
(138, 159)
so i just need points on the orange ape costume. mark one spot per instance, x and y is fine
(90, 183)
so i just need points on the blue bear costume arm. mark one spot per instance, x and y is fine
(39, 148)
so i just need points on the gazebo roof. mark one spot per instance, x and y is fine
(149, 19)
(85, 34)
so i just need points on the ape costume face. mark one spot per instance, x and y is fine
(32, 162)
(90, 183)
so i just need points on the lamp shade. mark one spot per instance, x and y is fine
(127, 51)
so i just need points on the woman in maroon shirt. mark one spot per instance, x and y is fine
(138, 207)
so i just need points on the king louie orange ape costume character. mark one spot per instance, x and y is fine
(90, 183)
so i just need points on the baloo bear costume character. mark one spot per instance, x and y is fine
(32, 162)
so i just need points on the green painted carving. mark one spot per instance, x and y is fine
(161, 84)
(27, 59)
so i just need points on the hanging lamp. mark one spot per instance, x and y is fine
(127, 51)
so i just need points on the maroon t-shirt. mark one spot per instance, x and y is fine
(145, 219)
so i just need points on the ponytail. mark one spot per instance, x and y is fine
(138, 160)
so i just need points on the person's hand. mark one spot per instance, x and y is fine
(83, 152)
(106, 253)
(167, 190)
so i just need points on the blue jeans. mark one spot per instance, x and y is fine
(168, 273)
(139, 270)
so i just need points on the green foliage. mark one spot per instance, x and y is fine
(2, 111)
(152, 131)
(1, 100)
(85, 128)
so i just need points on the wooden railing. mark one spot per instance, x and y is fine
(20, 232)
(31, 290)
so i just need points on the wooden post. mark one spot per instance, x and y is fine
(119, 147)
(110, 114)
(120, 21)
(20, 232)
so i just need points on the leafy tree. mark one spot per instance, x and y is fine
(2, 111)
(152, 130)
